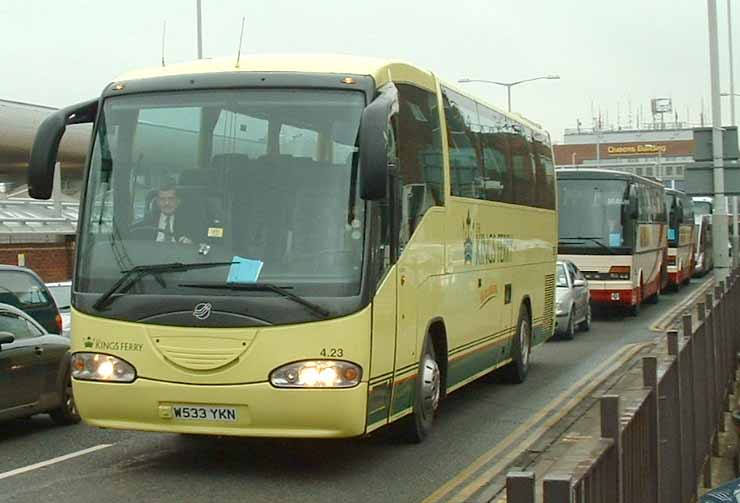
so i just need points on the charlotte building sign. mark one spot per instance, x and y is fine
(636, 149)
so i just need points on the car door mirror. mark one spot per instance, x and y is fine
(579, 282)
(6, 338)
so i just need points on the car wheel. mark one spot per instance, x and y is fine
(570, 328)
(516, 371)
(66, 413)
(427, 395)
(586, 323)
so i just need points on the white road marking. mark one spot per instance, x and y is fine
(52, 461)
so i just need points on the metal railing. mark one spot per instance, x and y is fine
(656, 441)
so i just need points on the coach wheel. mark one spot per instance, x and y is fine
(634, 309)
(655, 298)
(516, 371)
(426, 397)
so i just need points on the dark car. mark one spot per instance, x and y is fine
(34, 370)
(22, 288)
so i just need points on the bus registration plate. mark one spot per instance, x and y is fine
(204, 413)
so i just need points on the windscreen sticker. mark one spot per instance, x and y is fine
(244, 270)
(98, 344)
(615, 239)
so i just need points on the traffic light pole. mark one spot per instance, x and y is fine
(719, 218)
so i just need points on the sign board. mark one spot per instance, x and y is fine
(699, 178)
(637, 149)
(661, 105)
(703, 143)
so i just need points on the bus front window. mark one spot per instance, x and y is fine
(260, 177)
(592, 213)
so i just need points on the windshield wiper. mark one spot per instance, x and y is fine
(263, 287)
(131, 276)
(594, 240)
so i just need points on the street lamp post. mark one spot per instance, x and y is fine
(509, 85)
(719, 217)
(735, 238)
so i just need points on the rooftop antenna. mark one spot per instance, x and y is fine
(164, 34)
(239, 52)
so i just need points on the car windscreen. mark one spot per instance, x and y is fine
(21, 290)
(562, 279)
(62, 295)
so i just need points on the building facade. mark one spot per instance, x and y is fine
(661, 153)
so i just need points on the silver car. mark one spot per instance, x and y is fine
(62, 293)
(572, 300)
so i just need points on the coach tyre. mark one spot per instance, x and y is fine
(516, 371)
(426, 396)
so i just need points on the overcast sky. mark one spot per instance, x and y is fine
(609, 53)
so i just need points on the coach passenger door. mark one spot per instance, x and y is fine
(376, 180)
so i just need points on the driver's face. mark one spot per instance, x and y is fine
(167, 201)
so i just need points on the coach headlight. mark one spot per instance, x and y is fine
(99, 367)
(317, 374)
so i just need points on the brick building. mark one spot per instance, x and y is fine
(39, 235)
(660, 152)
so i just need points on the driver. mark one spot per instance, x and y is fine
(167, 222)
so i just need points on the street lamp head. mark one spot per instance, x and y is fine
(553, 77)
(463, 81)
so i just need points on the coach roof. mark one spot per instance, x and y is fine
(600, 174)
(381, 70)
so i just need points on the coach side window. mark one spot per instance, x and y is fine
(544, 174)
(420, 145)
(523, 168)
(643, 203)
(463, 126)
(419, 156)
(496, 156)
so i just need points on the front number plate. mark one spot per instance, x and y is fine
(204, 413)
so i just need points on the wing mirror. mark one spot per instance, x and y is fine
(579, 282)
(634, 210)
(374, 143)
(46, 145)
(6, 338)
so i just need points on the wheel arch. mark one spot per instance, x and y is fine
(527, 301)
(437, 332)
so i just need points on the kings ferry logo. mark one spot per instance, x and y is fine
(485, 248)
(468, 242)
